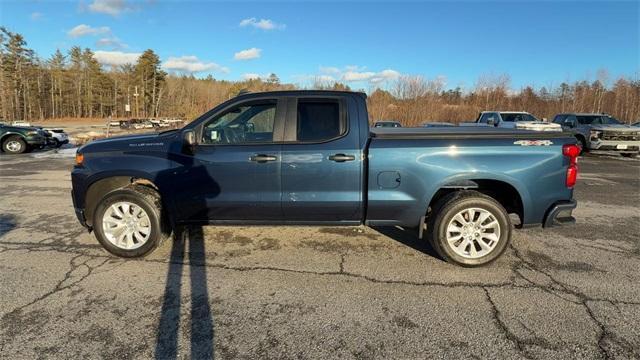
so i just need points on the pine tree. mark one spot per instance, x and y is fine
(150, 78)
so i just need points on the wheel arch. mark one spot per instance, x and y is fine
(103, 185)
(7, 135)
(511, 194)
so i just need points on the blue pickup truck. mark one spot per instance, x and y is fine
(310, 158)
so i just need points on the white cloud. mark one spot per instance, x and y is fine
(351, 73)
(112, 42)
(357, 76)
(116, 57)
(324, 78)
(329, 70)
(251, 76)
(385, 75)
(248, 54)
(263, 24)
(191, 64)
(109, 7)
(374, 77)
(36, 16)
(83, 29)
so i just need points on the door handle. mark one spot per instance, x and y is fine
(262, 158)
(341, 157)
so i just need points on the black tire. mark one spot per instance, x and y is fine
(144, 197)
(14, 144)
(583, 145)
(629, 155)
(444, 211)
(56, 143)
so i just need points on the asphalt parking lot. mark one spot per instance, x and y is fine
(307, 292)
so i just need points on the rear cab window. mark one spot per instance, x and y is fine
(486, 116)
(319, 120)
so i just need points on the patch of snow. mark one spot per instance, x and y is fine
(56, 153)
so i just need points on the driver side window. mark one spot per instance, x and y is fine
(244, 124)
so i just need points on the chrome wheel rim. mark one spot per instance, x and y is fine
(14, 146)
(473, 233)
(126, 225)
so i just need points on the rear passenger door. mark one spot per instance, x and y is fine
(321, 169)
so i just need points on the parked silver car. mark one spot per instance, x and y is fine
(601, 132)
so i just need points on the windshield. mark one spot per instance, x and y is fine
(612, 121)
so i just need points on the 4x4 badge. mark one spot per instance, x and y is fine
(533, 142)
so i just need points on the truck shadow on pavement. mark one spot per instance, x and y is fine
(7, 223)
(408, 237)
(201, 330)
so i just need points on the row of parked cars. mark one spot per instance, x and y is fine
(593, 131)
(138, 124)
(19, 137)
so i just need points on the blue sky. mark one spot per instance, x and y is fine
(361, 43)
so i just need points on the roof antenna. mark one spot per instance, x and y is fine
(243, 91)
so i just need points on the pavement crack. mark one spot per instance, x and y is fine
(60, 286)
(603, 331)
(502, 326)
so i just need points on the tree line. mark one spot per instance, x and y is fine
(75, 85)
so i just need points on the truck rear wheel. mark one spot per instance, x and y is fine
(468, 228)
(128, 222)
(14, 144)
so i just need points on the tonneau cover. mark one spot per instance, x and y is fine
(463, 133)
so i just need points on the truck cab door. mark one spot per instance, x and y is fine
(234, 169)
(322, 161)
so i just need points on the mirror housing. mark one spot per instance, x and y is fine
(188, 141)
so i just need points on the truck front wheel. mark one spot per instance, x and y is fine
(468, 228)
(128, 221)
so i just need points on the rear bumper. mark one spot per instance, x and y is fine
(560, 214)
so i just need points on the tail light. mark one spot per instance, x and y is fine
(571, 151)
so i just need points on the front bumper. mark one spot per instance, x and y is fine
(36, 140)
(615, 145)
(79, 212)
(560, 214)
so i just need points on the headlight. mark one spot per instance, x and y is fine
(595, 134)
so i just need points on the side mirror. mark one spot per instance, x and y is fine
(188, 141)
